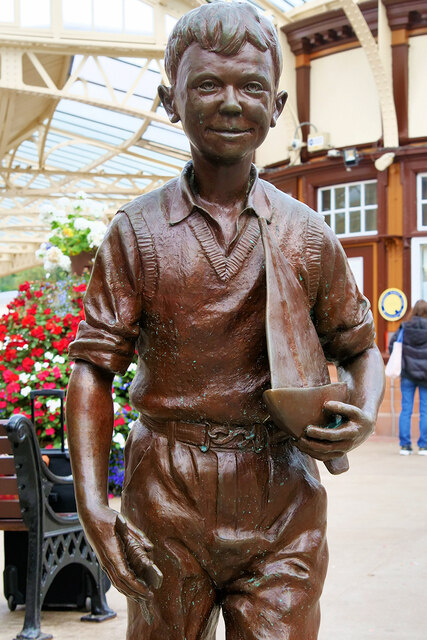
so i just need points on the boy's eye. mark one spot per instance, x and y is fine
(207, 85)
(253, 87)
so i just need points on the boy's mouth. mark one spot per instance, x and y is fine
(229, 131)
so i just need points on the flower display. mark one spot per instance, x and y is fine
(77, 226)
(34, 337)
(53, 258)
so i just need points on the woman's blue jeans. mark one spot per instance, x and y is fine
(408, 392)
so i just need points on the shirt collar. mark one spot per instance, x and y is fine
(184, 200)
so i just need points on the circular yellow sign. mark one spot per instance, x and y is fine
(392, 304)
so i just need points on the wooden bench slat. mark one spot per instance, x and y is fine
(10, 509)
(3, 424)
(8, 485)
(13, 525)
(5, 446)
(7, 466)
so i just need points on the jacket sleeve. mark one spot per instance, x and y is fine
(342, 315)
(113, 302)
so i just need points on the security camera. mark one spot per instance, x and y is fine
(296, 144)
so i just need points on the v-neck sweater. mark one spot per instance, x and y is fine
(161, 282)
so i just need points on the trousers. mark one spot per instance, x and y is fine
(408, 388)
(244, 531)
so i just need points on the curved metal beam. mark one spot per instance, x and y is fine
(382, 81)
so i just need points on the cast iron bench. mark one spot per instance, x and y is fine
(54, 541)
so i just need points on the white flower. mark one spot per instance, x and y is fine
(132, 366)
(53, 404)
(58, 359)
(45, 213)
(96, 233)
(119, 439)
(45, 365)
(24, 377)
(80, 224)
(25, 391)
(37, 366)
(48, 355)
(49, 213)
(33, 378)
(117, 407)
(59, 215)
(54, 258)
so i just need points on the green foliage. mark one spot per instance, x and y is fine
(34, 337)
(12, 282)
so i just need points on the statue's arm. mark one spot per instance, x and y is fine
(364, 376)
(346, 329)
(122, 549)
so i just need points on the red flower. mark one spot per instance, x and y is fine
(53, 328)
(13, 387)
(57, 372)
(38, 294)
(47, 311)
(3, 404)
(37, 352)
(9, 376)
(80, 287)
(10, 354)
(24, 286)
(28, 321)
(61, 345)
(50, 431)
(49, 385)
(28, 364)
(38, 333)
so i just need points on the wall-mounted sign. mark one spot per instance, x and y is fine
(392, 304)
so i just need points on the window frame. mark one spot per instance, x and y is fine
(416, 265)
(347, 209)
(420, 202)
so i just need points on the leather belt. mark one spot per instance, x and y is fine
(206, 435)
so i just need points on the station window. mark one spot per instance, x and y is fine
(422, 200)
(350, 209)
(419, 269)
(126, 16)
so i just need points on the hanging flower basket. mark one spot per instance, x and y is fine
(77, 228)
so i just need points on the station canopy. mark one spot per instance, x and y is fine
(79, 109)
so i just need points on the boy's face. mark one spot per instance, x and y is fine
(226, 103)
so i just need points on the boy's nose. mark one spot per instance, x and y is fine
(230, 104)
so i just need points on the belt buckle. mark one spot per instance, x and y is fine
(207, 441)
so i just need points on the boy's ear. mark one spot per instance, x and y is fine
(279, 103)
(166, 97)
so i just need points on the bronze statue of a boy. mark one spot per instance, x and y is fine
(232, 508)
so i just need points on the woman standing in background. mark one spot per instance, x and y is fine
(413, 375)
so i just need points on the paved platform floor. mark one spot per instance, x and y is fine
(377, 581)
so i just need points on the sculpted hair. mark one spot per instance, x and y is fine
(224, 28)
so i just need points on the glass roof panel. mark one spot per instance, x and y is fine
(35, 14)
(95, 137)
(7, 11)
(77, 14)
